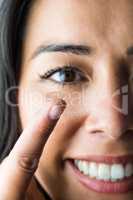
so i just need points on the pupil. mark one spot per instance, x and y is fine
(67, 75)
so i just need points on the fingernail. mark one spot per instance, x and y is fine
(56, 111)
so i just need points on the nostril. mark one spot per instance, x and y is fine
(94, 127)
(96, 131)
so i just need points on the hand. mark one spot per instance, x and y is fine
(17, 169)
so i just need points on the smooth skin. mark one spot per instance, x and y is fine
(95, 121)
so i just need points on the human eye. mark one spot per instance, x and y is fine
(65, 75)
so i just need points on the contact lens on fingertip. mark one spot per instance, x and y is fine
(56, 110)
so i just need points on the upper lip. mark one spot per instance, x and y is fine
(106, 159)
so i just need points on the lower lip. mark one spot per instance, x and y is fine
(102, 186)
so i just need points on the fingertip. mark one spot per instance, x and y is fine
(57, 109)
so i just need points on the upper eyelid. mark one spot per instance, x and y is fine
(57, 69)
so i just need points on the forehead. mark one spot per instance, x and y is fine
(81, 21)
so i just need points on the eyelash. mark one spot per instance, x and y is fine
(64, 69)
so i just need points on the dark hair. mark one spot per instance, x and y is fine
(12, 19)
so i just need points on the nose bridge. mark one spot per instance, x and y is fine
(115, 73)
(113, 84)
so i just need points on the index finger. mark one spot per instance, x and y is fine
(23, 159)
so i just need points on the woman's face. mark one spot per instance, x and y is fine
(94, 39)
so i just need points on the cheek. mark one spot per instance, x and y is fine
(31, 101)
(34, 96)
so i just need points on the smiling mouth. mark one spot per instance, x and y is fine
(104, 174)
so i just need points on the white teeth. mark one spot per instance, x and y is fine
(103, 171)
(128, 170)
(80, 166)
(93, 170)
(117, 172)
(76, 162)
(85, 168)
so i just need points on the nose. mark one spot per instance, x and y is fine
(110, 104)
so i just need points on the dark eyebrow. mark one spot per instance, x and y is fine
(63, 48)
